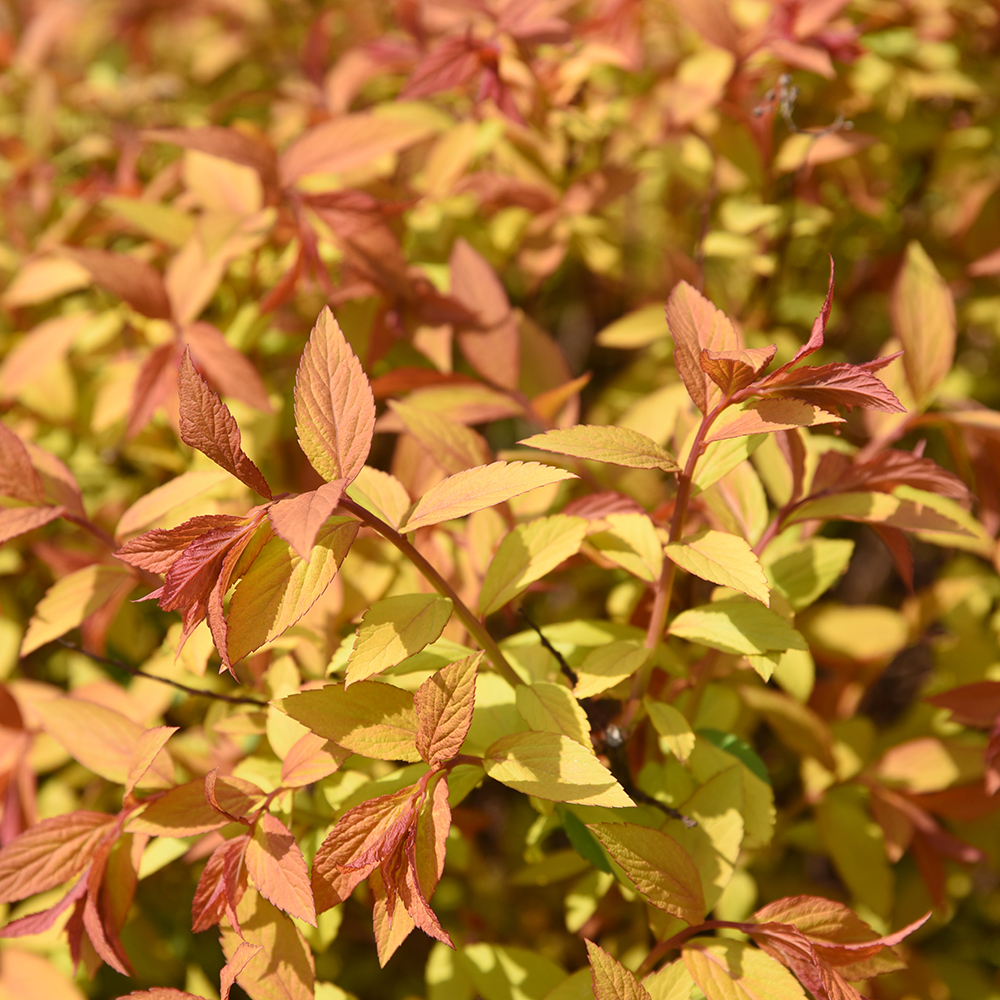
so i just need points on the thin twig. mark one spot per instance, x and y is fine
(233, 699)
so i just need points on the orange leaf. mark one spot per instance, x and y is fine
(221, 886)
(184, 811)
(735, 370)
(298, 519)
(149, 744)
(311, 759)
(128, 278)
(207, 424)
(276, 867)
(238, 961)
(18, 477)
(229, 371)
(16, 521)
(444, 704)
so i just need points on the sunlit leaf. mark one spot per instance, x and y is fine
(724, 559)
(615, 445)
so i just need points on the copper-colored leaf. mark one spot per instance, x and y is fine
(130, 279)
(238, 961)
(833, 385)
(145, 751)
(276, 867)
(222, 884)
(228, 370)
(610, 979)
(227, 143)
(18, 477)
(298, 519)
(334, 406)
(16, 521)
(735, 370)
(310, 759)
(444, 704)
(452, 445)
(972, 704)
(184, 811)
(207, 424)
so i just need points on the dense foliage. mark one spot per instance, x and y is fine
(519, 472)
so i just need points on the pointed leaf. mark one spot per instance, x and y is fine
(18, 477)
(724, 559)
(298, 519)
(275, 866)
(376, 720)
(658, 866)
(393, 629)
(608, 665)
(207, 424)
(796, 724)
(764, 416)
(444, 704)
(673, 727)
(553, 767)
(130, 279)
(552, 708)
(736, 625)
(146, 749)
(382, 494)
(479, 488)
(238, 961)
(610, 979)
(16, 521)
(923, 318)
(184, 811)
(334, 406)
(735, 370)
(161, 501)
(734, 970)
(876, 508)
(631, 542)
(615, 445)
(280, 586)
(528, 553)
(311, 759)
(833, 385)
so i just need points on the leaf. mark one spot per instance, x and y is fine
(18, 476)
(670, 982)
(236, 964)
(161, 501)
(280, 586)
(334, 406)
(724, 559)
(221, 886)
(923, 318)
(393, 629)
(553, 767)
(971, 704)
(226, 368)
(696, 324)
(452, 445)
(16, 521)
(736, 625)
(146, 749)
(130, 279)
(207, 424)
(805, 573)
(734, 970)
(184, 811)
(765, 416)
(552, 708)
(51, 852)
(610, 979)
(796, 725)
(310, 759)
(376, 720)
(735, 370)
(39, 279)
(298, 519)
(876, 508)
(226, 143)
(71, 600)
(479, 488)
(276, 868)
(636, 329)
(381, 494)
(673, 727)
(657, 865)
(444, 704)
(833, 385)
(528, 553)
(608, 665)
(101, 739)
(283, 968)
(631, 542)
(615, 445)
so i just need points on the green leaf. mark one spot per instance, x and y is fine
(672, 982)
(631, 542)
(736, 625)
(280, 586)
(393, 629)
(740, 750)
(509, 973)
(377, 720)
(527, 554)
(554, 767)
(605, 443)
(796, 725)
(724, 559)
(804, 574)
(735, 970)
(719, 458)
(584, 842)
(551, 708)
(658, 866)
(674, 729)
(606, 666)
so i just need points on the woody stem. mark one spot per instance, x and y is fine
(440, 584)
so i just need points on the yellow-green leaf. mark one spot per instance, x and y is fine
(631, 542)
(876, 508)
(598, 443)
(672, 982)
(805, 573)
(452, 445)
(382, 494)
(736, 625)
(607, 665)
(280, 586)
(724, 559)
(735, 970)
(637, 329)
(674, 729)
(551, 708)
(526, 554)
(797, 725)
(393, 629)
(479, 488)
(610, 979)
(555, 767)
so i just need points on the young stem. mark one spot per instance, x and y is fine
(441, 585)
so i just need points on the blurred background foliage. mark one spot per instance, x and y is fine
(594, 153)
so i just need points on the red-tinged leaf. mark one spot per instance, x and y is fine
(228, 370)
(275, 866)
(108, 949)
(222, 884)
(157, 550)
(60, 485)
(128, 278)
(764, 416)
(451, 64)
(792, 948)
(696, 325)
(334, 406)
(966, 803)
(836, 473)
(28, 360)
(972, 704)
(875, 508)
(155, 384)
(899, 548)
(211, 779)
(16, 521)
(226, 143)
(610, 979)
(735, 370)
(444, 704)
(833, 385)
(479, 488)
(298, 519)
(311, 759)
(184, 811)
(391, 921)
(660, 868)
(430, 839)
(149, 744)
(400, 381)
(207, 424)
(49, 853)
(597, 506)
(159, 993)
(735, 970)
(238, 961)
(18, 477)
(818, 332)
